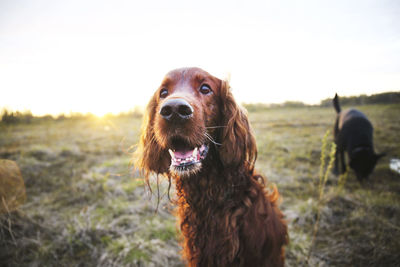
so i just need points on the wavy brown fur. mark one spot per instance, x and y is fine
(226, 215)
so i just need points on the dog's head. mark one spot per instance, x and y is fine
(363, 161)
(191, 115)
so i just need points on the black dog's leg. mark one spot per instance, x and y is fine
(343, 162)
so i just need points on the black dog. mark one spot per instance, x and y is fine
(353, 133)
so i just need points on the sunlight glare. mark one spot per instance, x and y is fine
(110, 60)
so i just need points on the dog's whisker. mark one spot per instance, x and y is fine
(214, 127)
(211, 139)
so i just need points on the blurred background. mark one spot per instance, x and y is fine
(75, 77)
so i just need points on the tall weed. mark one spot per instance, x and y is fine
(328, 151)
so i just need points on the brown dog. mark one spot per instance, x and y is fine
(196, 134)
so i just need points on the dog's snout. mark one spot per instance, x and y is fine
(176, 108)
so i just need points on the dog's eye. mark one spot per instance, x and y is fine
(163, 93)
(205, 89)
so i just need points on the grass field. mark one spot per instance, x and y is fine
(85, 205)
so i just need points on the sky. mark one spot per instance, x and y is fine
(110, 56)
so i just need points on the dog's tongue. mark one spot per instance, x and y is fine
(183, 154)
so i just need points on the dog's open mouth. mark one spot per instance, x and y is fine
(185, 159)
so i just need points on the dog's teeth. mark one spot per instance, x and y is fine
(195, 151)
(171, 153)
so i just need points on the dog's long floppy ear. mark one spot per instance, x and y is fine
(149, 156)
(238, 144)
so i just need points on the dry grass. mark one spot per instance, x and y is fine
(85, 206)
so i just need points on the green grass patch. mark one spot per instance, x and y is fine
(130, 186)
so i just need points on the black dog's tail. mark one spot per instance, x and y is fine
(336, 103)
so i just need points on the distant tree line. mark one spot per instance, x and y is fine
(14, 117)
(383, 98)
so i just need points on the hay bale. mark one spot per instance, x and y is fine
(12, 187)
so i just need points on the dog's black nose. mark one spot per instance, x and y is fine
(176, 108)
